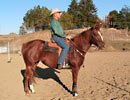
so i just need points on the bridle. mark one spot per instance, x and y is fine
(82, 52)
(79, 50)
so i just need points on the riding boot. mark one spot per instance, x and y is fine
(60, 66)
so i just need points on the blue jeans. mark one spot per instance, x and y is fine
(65, 48)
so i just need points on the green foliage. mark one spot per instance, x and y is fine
(22, 30)
(87, 13)
(37, 18)
(73, 11)
(113, 18)
(120, 20)
(78, 14)
(82, 13)
(124, 18)
(66, 20)
(113, 13)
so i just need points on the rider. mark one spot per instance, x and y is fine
(59, 36)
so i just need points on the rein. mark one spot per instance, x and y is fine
(78, 49)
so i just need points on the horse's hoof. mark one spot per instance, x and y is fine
(33, 92)
(75, 94)
(27, 94)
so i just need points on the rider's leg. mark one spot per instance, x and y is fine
(62, 43)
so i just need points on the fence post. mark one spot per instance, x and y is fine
(9, 59)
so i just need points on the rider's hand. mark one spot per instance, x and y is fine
(52, 40)
(66, 33)
(68, 37)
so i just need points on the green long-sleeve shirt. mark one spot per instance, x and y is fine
(56, 28)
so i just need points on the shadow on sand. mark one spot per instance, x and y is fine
(47, 73)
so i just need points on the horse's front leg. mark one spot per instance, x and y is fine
(75, 71)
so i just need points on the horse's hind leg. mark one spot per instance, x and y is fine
(26, 78)
(29, 79)
(32, 71)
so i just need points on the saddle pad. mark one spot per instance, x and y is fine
(52, 47)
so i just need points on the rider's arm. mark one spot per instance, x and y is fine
(57, 29)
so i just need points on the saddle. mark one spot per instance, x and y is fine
(53, 47)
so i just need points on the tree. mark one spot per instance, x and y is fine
(119, 20)
(124, 18)
(113, 18)
(22, 30)
(87, 13)
(66, 20)
(37, 18)
(73, 11)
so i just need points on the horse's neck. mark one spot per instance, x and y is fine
(83, 41)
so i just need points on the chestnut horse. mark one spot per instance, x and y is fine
(33, 53)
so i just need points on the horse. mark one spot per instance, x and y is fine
(33, 53)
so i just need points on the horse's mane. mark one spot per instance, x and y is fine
(83, 34)
(83, 39)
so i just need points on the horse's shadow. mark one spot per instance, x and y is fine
(47, 73)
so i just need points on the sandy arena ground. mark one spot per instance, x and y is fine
(106, 76)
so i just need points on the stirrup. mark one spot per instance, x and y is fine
(60, 66)
(66, 66)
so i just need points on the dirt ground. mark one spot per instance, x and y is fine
(106, 76)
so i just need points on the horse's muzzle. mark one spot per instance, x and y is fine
(101, 46)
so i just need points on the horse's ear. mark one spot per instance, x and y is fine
(96, 26)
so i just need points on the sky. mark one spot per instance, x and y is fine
(13, 11)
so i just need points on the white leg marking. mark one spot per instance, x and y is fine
(76, 94)
(32, 88)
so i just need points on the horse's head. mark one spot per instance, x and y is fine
(97, 37)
